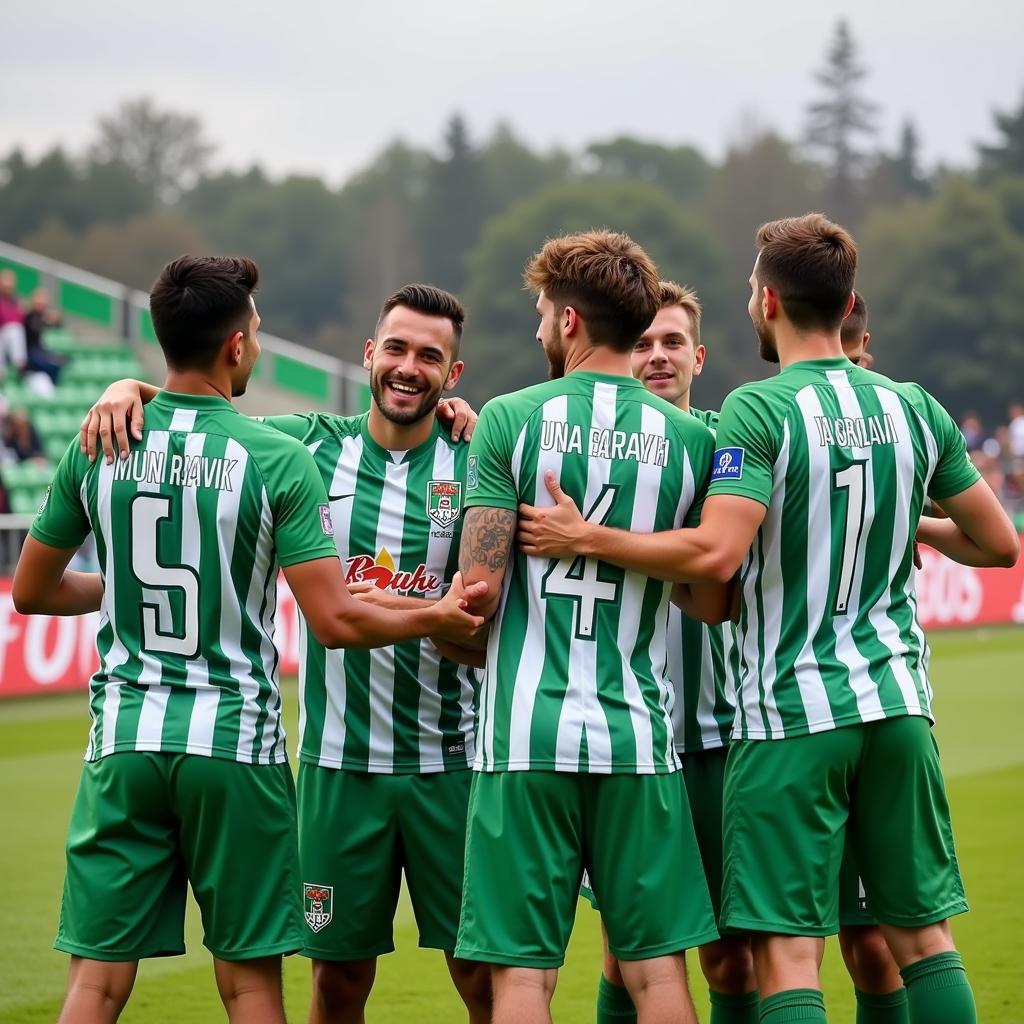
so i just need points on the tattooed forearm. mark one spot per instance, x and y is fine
(486, 539)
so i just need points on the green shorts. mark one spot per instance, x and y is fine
(358, 831)
(146, 825)
(853, 899)
(790, 805)
(531, 835)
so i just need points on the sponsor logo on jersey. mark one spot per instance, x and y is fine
(326, 523)
(728, 464)
(318, 905)
(382, 572)
(472, 479)
(444, 501)
(46, 499)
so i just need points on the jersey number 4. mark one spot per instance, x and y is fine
(158, 627)
(579, 578)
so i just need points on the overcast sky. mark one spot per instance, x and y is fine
(321, 86)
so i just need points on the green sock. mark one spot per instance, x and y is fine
(938, 991)
(734, 1009)
(889, 1008)
(803, 1004)
(614, 1005)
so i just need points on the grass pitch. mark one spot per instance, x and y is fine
(979, 685)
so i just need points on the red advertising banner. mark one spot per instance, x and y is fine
(46, 654)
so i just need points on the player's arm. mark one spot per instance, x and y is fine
(710, 603)
(713, 551)
(337, 619)
(978, 531)
(43, 584)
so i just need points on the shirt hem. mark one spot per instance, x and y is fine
(811, 728)
(553, 766)
(433, 768)
(180, 748)
(309, 555)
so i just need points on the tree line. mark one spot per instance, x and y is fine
(942, 249)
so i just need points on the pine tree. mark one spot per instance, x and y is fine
(837, 121)
(1007, 156)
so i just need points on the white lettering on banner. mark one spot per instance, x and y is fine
(9, 628)
(947, 593)
(1018, 609)
(49, 661)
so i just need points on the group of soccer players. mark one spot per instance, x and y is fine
(724, 787)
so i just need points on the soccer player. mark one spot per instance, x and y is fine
(575, 766)
(186, 780)
(666, 359)
(819, 481)
(386, 737)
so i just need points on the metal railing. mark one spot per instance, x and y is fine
(123, 312)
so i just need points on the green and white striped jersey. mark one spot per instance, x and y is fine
(843, 459)
(397, 523)
(190, 532)
(576, 678)
(702, 665)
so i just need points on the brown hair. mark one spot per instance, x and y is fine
(197, 302)
(856, 322)
(673, 294)
(811, 263)
(430, 301)
(606, 277)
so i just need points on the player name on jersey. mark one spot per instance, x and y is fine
(856, 431)
(604, 443)
(156, 467)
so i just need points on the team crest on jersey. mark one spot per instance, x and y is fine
(728, 464)
(318, 905)
(326, 523)
(444, 501)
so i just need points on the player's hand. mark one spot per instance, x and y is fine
(369, 593)
(471, 656)
(455, 622)
(109, 420)
(460, 415)
(551, 532)
(918, 561)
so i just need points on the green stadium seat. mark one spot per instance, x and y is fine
(26, 502)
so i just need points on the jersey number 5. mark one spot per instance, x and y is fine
(578, 579)
(158, 628)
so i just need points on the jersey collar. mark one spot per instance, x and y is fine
(411, 455)
(177, 400)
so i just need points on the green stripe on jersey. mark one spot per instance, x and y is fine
(576, 665)
(190, 530)
(397, 522)
(843, 460)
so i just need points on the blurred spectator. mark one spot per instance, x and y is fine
(5, 505)
(1016, 429)
(973, 431)
(41, 315)
(12, 326)
(20, 438)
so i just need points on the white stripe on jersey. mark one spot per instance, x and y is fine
(332, 744)
(645, 510)
(203, 720)
(869, 705)
(393, 495)
(581, 686)
(819, 538)
(263, 591)
(485, 751)
(879, 617)
(118, 653)
(769, 572)
(531, 661)
(183, 420)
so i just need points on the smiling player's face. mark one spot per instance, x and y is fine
(411, 364)
(667, 357)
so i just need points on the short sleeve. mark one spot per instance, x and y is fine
(489, 480)
(62, 521)
(745, 448)
(305, 427)
(954, 471)
(700, 452)
(303, 529)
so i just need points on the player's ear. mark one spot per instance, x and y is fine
(570, 321)
(235, 348)
(699, 354)
(769, 303)
(454, 373)
(367, 353)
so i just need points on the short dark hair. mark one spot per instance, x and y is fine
(812, 264)
(673, 294)
(856, 322)
(197, 302)
(430, 301)
(606, 277)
